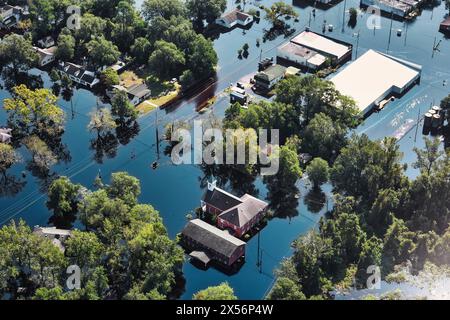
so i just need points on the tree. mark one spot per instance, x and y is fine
(220, 292)
(42, 157)
(110, 77)
(8, 157)
(286, 289)
(427, 159)
(122, 108)
(62, 197)
(43, 16)
(353, 17)
(92, 27)
(17, 52)
(398, 245)
(364, 167)
(162, 8)
(318, 172)
(208, 10)
(28, 261)
(166, 60)
(323, 137)
(203, 58)
(34, 112)
(102, 122)
(102, 52)
(140, 50)
(124, 187)
(279, 10)
(66, 47)
(370, 256)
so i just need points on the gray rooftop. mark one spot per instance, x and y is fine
(211, 237)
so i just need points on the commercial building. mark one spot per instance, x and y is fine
(375, 76)
(334, 50)
(399, 8)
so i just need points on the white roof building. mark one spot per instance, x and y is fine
(322, 45)
(374, 76)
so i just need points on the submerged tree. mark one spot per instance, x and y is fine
(220, 292)
(278, 11)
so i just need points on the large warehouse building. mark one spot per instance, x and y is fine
(374, 76)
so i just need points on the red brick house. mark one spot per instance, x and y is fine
(239, 215)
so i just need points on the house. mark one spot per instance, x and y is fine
(46, 56)
(375, 76)
(267, 79)
(239, 215)
(46, 42)
(57, 236)
(207, 243)
(399, 8)
(137, 93)
(5, 135)
(445, 26)
(79, 74)
(10, 16)
(293, 54)
(234, 18)
(336, 51)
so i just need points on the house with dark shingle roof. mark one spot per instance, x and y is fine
(210, 243)
(239, 215)
(234, 18)
(79, 74)
(10, 16)
(267, 79)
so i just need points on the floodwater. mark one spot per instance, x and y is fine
(176, 190)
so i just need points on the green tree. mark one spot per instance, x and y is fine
(220, 292)
(140, 50)
(62, 196)
(427, 159)
(318, 172)
(122, 108)
(92, 27)
(324, 137)
(110, 77)
(34, 111)
(398, 245)
(370, 256)
(42, 157)
(17, 52)
(286, 289)
(166, 60)
(203, 58)
(208, 10)
(364, 167)
(27, 261)
(162, 8)
(66, 47)
(8, 157)
(102, 122)
(102, 52)
(124, 187)
(279, 10)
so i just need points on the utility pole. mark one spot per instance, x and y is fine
(417, 126)
(157, 134)
(357, 44)
(343, 17)
(390, 31)
(259, 253)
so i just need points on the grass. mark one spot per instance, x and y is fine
(129, 78)
(145, 107)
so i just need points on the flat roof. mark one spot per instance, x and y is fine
(322, 44)
(372, 75)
